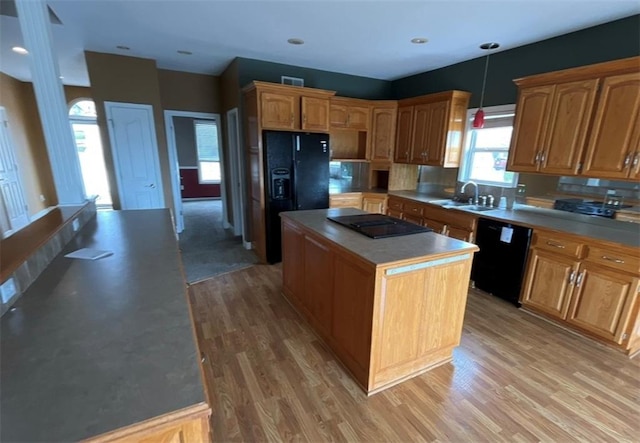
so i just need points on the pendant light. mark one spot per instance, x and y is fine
(478, 119)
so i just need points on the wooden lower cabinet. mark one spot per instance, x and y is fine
(346, 200)
(374, 203)
(585, 286)
(602, 301)
(385, 322)
(550, 279)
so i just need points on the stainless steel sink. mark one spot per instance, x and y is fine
(446, 203)
(477, 208)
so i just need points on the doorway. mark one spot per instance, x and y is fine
(82, 115)
(208, 241)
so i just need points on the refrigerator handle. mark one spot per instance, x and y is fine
(297, 143)
(294, 194)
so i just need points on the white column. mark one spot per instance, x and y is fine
(33, 17)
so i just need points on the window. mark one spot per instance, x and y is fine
(208, 154)
(487, 149)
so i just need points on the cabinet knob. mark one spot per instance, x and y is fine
(537, 159)
(572, 276)
(636, 159)
(543, 156)
(627, 160)
(580, 278)
(613, 259)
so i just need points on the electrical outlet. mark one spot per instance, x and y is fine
(43, 198)
(8, 290)
(76, 225)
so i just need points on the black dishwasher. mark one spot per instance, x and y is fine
(498, 268)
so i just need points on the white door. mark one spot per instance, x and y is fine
(14, 207)
(135, 154)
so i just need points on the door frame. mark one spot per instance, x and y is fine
(114, 151)
(237, 174)
(174, 169)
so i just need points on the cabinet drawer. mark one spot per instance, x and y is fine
(395, 204)
(557, 244)
(413, 208)
(616, 260)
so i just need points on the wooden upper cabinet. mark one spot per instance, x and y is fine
(383, 132)
(437, 125)
(279, 111)
(345, 114)
(602, 301)
(420, 138)
(436, 133)
(404, 130)
(315, 114)
(530, 127)
(568, 125)
(613, 147)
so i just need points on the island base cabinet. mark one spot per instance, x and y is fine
(414, 328)
(385, 323)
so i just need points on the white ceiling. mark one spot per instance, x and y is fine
(368, 38)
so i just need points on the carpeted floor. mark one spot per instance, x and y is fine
(207, 249)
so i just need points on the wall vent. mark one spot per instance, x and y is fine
(293, 81)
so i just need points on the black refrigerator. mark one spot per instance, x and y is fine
(297, 175)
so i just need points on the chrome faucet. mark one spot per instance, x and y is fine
(475, 201)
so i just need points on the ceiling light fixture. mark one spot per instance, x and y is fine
(478, 119)
(19, 50)
(180, 51)
(124, 48)
(295, 41)
(419, 40)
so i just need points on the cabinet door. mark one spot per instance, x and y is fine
(318, 271)
(315, 114)
(614, 134)
(278, 111)
(420, 137)
(403, 134)
(549, 281)
(568, 125)
(292, 257)
(602, 301)
(358, 117)
(412, 218)
(383, 134)
(338, 116)
(345, 201)
(394, 213)
(531, 120)
(437, 133)
(460, 234)
(375, 205)
(438, 227)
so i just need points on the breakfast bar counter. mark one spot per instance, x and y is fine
(105, 349)
(389, 308)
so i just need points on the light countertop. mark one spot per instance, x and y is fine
(599, 228)
(98, 345)
(378, 251)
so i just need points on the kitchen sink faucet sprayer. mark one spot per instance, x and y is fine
(470, 182)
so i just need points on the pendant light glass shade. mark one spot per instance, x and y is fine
(478, 119)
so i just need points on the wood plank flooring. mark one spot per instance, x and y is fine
(514, 378)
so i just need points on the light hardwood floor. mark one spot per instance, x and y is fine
(514, 377)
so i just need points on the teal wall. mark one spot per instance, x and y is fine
(346, 85)
(610, 41)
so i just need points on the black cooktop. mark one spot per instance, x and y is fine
(580, 206)
(378, 225)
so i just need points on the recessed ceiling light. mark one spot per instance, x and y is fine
(124, 48)
(180, 51)
(490, 45)
(419, 40)
(295, 41)
(19, 50)
(61, 77)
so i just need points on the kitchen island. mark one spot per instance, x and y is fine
(105, 350)
(389, 308)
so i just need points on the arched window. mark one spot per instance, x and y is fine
(82, 109)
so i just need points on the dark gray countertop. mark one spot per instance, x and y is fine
(613, 231)
(98, 345)
(379, 251)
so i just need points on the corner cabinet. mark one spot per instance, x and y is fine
(383, 132)
(275, 107)
(431, 128)
(581, 121)
(586, 286)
